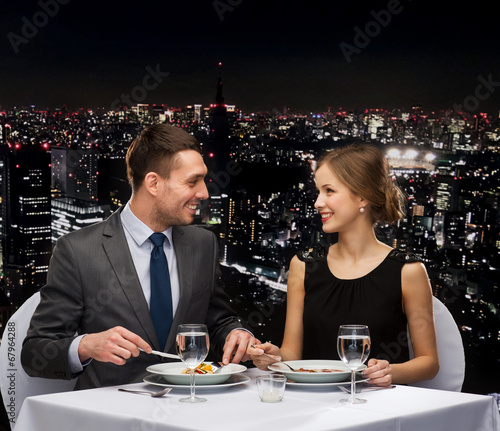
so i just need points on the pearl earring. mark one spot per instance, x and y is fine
(362, 210)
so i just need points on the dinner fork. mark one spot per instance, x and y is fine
(276, 358)
(153, 394)
(284, 363)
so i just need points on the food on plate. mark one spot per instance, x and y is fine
(319, 370)
(200, 369)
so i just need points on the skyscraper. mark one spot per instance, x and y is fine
(69, 214)
(217, 149)
(446, 193)
(27, 240)
(74, 172)
(4, 194)
(216, 153)
(75, 181)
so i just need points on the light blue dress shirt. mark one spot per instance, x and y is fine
(137, 234)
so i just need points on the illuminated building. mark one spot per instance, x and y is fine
(192, 114)
(27, 244)
(216, 150)
(446, 193)
(74, 172)
(70, 214)
(454, 230)
(4, 194)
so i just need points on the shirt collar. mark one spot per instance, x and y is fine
(139, 232)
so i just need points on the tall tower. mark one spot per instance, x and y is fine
(217, 149)
(4, 197)
(216, 152)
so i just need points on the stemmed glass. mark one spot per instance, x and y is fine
(353, 346)
(192, 347)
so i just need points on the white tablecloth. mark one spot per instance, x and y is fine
(239, 408)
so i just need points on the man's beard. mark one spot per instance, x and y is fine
(166, 220)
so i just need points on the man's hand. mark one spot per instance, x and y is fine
(115, 345)
(235, 348)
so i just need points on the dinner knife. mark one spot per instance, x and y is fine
(165, 355)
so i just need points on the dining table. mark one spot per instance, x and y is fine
(238, 407)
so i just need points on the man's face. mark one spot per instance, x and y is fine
(180, 194)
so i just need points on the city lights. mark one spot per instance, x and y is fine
(262, 203)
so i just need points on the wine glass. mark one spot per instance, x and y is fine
(353, 346)
(192, 347)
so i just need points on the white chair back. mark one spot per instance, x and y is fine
(450, 350)
(15, 384)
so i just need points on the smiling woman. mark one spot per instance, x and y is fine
(359, 280)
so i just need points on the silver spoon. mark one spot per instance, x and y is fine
(153, 394)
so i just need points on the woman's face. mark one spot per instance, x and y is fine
(337, 205)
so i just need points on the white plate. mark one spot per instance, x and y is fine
(320, 384)
(172, 373)
(342, 375)
(234, 379)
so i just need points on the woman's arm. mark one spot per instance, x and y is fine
(291, 348)
(417, 305)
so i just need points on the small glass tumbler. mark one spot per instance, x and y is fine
(271, 388)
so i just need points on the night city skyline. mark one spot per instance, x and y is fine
(447, 164)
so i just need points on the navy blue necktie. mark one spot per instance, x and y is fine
(161, 295)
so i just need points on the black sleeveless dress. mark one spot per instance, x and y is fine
(374, 300)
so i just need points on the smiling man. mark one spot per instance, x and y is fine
(103, 285)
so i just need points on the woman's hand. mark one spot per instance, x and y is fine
(258, 358)
(379, 372)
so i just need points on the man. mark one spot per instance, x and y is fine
(100, 285)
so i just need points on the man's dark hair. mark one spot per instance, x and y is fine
(155, 150)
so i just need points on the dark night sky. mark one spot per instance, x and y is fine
(274, 53)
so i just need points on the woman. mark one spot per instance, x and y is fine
(359, 279)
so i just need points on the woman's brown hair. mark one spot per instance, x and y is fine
(364, 170)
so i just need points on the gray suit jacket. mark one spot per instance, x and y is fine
(92, 286)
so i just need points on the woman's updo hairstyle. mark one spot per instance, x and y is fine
(364, 170)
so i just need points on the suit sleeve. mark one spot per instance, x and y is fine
(221, 318)
(56, 319)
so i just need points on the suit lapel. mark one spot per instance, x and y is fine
(184, 254)
(116, 248)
